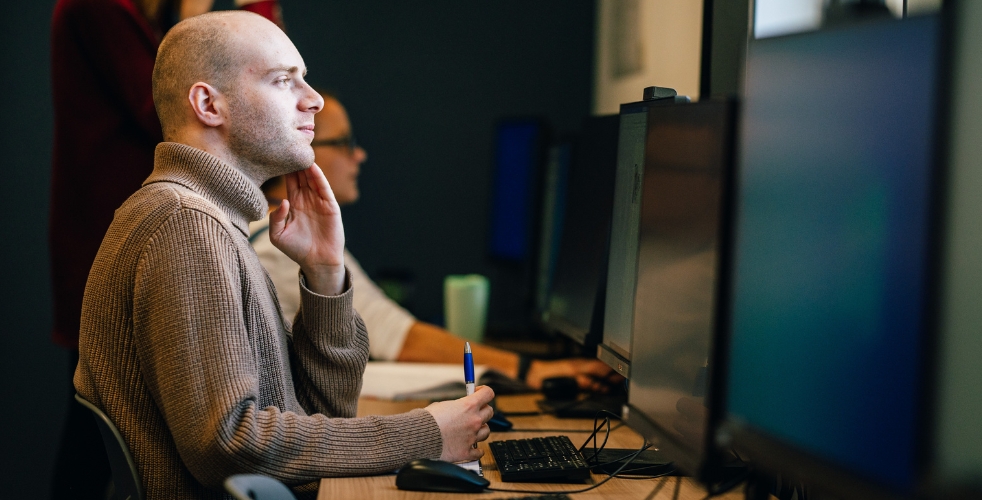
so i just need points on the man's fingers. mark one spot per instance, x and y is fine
(596, 368)
(486, 413)
(317, 180)
(278, 217)
(483, 394)
(301, 179)
(292, 184)
(483, 433)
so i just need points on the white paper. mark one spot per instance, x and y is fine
(474, 467)
(396, 381)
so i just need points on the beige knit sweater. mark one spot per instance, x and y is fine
(183, 346)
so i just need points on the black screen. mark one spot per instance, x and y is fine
(833, 229)
(575, 299)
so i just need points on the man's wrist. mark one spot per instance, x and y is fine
(327, 282)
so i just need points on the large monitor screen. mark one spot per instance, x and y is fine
(687, 162)
(833, 234)
(575, 298)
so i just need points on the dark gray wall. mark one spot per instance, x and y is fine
(423, 81)
(33, 371)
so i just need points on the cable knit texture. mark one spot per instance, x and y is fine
(183, 345)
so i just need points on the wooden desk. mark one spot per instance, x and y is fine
(384, 487)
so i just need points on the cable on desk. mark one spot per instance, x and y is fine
(522, 413)
(547, 430)
(654, 492)
(596, 428)
(678, 487)
(630, 456)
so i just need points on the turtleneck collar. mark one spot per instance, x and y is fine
(217, 181)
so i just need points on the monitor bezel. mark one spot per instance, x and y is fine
(549, 320)
(614, 356)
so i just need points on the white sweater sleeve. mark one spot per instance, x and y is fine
(386, 321)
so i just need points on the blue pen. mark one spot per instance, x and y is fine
(468, 369)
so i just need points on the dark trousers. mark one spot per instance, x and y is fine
(81, 466)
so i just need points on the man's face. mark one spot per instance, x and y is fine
(271, 107)
(340, 163)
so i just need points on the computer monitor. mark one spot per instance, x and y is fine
(725, 26)
(830, 305)
(687, 167)
(618, 321)
(575, 304)
(518, 157)
(551, 220)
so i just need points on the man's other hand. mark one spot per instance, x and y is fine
(590, 374)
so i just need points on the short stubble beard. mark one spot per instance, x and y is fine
(264, 151)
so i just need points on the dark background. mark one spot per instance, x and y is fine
(424, 83)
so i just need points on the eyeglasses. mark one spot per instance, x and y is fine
(346, 142)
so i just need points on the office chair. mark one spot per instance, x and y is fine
(257, 487)
(126, 479)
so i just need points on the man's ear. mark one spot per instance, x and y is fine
(208, 104)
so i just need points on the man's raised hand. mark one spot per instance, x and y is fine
(307, 228)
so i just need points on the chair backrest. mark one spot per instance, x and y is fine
(257, 487)
(126, 478)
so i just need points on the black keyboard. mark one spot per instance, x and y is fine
(547, 459)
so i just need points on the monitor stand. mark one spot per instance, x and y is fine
(593, 406)
(649, 463)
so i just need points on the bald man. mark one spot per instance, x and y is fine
(182, 343)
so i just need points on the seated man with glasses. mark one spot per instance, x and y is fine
(394, 334)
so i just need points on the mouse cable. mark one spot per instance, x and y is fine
(593, 436)
(521, 413)
(515, 429)
(594, 460)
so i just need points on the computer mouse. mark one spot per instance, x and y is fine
(499, 423)
(425, 474)
(560, 388)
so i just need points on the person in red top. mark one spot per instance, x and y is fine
(105, 132)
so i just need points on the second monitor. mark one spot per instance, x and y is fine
(681, 197)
